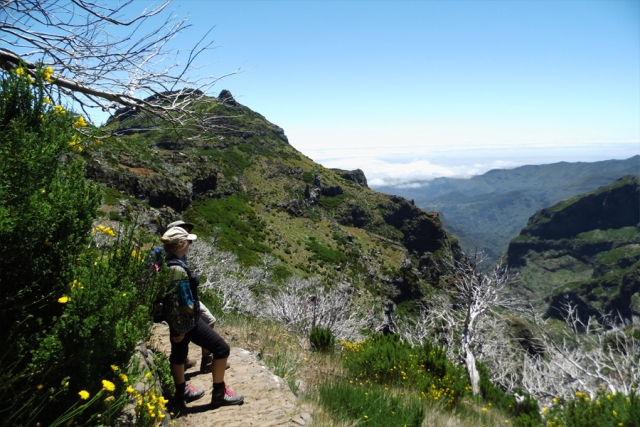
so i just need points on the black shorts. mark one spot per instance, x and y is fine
(202, 335)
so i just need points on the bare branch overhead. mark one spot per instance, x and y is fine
(107, 56)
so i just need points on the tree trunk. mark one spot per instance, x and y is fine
(474, 376)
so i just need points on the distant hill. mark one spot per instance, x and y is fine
(488, 210)
(584, 250)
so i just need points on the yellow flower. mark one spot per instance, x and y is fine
(366, 417)
(20, 71)
(124, 378)
(40, 386)
(124, 294)
(64, 300)
(130, 390)
(109, 399)
(555, 400)
(80, 123)
(114, 368)
(106, 230)
(47, 100)
(84, 395)
(147, 375)
(108, 385)
(58, 110)
(578, 394)
(485, 409)
(586, 399)
(544, 410)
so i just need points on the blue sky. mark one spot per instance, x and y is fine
(409, 90)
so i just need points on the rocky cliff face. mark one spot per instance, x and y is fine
(584, 251)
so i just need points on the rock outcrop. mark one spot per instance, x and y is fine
(356, 176)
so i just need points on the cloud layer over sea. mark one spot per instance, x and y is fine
(404, 169)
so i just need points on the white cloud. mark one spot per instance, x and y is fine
(412, 154)
(398, 167)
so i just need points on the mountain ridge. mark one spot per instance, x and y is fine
(584, 251)
(488, 210)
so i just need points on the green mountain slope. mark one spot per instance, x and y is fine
(244, 184)
(584, 250)
(488, 210)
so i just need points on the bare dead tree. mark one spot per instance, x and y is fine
(469, 322)
(305, 303)
(300, 304)
(104, 56)
(585, 357)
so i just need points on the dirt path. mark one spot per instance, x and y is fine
(267, 398)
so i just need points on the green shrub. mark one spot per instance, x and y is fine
(321, 339)
(332, 202)
(307, 177)
(234, 223)
(324, 253)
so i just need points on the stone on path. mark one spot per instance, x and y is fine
(268, 401)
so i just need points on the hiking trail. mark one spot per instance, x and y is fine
(268, 401)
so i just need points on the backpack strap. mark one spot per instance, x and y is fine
(178, 262)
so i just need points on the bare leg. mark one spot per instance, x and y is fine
(217, 369)
(177, 372)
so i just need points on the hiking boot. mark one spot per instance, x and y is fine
(191, 393)
(226, 398)
(190, 363)
(205, 364)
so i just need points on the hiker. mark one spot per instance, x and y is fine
(205, 314)
(186, 324)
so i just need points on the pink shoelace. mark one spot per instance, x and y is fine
(228, 392)
(191, 388)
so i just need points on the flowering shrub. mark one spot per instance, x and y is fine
(384, 359)
(70, 309)
(46, 210)
(604, 409)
